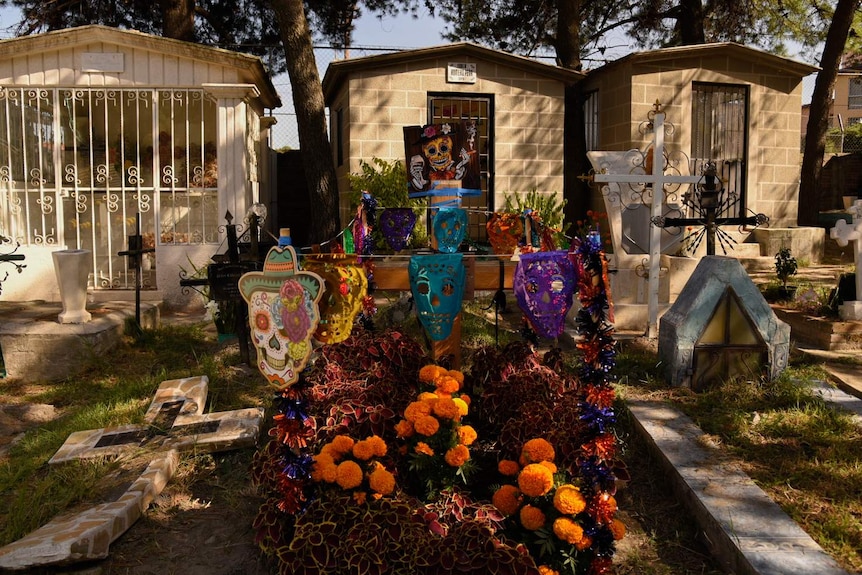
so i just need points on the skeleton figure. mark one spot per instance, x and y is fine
(437, 284)
(438, 150)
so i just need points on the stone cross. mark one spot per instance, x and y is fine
(845, 233)
(658, 179)
(174, 422)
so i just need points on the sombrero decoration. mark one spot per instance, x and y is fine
(283, 314)
(345, 289)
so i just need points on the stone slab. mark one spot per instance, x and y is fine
(747, 531)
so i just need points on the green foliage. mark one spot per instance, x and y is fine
(785, 265)
(850, 140)
(549, 207)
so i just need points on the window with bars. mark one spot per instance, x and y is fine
(854, 93)
(444, 108)
(719, 133)
(591, 120)
(78, 165)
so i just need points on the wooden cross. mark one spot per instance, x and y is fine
(657, 180)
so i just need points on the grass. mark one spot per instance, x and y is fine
(806, 454)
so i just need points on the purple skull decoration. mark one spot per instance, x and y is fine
(544, 283)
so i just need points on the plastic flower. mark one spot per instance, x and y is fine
(536, 450)
(535, 480)
(404, 429)
(507, 499)
(568, 530)
(423, 448)
(457, 456)
(445, 408)
(348, 474)
(508, 467)
(532, 518)
(426, 425)
(381, 481)
(466, 435)
(618, 528)
(569, 500)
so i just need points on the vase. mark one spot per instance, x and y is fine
(73, 270)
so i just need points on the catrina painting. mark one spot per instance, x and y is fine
(442, 159)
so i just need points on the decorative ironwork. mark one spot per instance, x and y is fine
(10, 257)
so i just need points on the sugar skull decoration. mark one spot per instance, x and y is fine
(544, 283)
(397, 224)
(450, 229)
(283, 314)
(505, 231)
(442, 159)
(345, 287)
(437, 284)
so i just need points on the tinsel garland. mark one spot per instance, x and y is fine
(595, 328)
(293, 429)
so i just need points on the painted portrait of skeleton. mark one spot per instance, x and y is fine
(441, 153)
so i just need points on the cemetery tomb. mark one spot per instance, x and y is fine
(721, 327)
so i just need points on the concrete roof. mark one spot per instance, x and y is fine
(252, 66)
(339, 69)
(730, 49)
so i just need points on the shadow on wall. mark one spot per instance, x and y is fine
(292, 199)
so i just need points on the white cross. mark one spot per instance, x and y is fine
(844, 233)
(658, 179)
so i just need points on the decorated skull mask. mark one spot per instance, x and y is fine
(397, 224)
(544, 283)
(450, 228)
(345, 287)
(283, 314)
(437, 283)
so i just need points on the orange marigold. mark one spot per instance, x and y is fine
(417, 409)
(535, 480)
(348, 474)
(567, 530)
(536, 450)
(466, 435)
(378, 446)
(508, 467)
(363, 450)
(426, 425)
(427, 396)
(507, 499)
(446, 408)
(447, 384)
(532, 518)
(585, 543)
(618, 528)
(423, 448)
(341, 444)
(569, 500)
(404, 429)
(463, 406)
(545, 570)
(456, 375)
(381, 481)
(457, 456)
(550, 465)
(430, 372)
(359, 497)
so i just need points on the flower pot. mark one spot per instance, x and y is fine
(73, 270)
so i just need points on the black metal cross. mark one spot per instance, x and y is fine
(10, 257)
(135, 252)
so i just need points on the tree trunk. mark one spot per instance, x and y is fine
(689, 23)
(818, 118)
(314, 145)
(178, 19)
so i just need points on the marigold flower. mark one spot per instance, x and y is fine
(465, 398)
(618, 528)
(532, 518)
(550, 465)
(446, 408)
(545, 570)
(463, 406)
(535, 480)
(430, 372)
(456, 375)
(342, 444)
(447, 384)
(417, 409)
(378, 446)
(466, 435)
(359, 497)
(569, 500)
(426, 425)
(457, 456)
(566, 529)
(427, 396)
(507, 499)
(585, 543)
(322, 462)
(330, 451)
(381, 481)
(536, 450)
(404, 429)
(363, 450)
(423, 448)
(348, 474)
(508, 467)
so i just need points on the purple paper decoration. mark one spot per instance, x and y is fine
(544, 283)
(397, 224)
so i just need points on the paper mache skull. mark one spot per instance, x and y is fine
(450, 229)
(346, 286)
(544, 284)
(397, 225)
(437, 283)
(283, 314)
